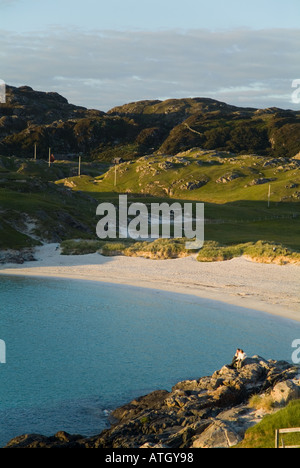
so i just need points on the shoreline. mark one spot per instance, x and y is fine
(268, 288)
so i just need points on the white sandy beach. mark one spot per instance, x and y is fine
(269, 288)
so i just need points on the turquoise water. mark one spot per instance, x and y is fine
(76, 350)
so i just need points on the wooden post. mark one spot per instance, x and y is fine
(35, 151)
(49, 157)
(285, 431)
(79, 166)
(115, 175)
(276, 438)
(269, 196)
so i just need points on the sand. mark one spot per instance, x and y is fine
(265, 287)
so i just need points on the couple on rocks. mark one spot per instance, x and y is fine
(238, 359)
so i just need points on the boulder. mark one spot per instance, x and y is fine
(228, 177)
(260, 181)
(285, 391)
(217, 435)
(194, 184)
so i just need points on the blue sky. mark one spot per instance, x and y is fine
(104, 53)
(26, 15)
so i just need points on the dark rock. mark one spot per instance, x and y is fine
(194, 184)
(154, 400)
(17, 257)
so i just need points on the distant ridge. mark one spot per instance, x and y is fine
(135, 129)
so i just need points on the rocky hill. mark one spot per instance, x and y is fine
(212, 412)
(47, 119)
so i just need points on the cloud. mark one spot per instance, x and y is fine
(102, 69)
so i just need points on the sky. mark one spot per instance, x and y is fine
(100, 54)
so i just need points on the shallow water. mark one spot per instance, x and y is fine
(76, 349)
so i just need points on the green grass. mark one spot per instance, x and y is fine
(149, 175)
(281, 231)
(80, 247)
(58, 213)
(12, 239)
(263, 434)
(236, 213)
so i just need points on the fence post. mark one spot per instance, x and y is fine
(276, 438)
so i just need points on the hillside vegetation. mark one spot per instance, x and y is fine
(166, 127)
(234, 188)
(262, 435)
(33, 209)
(242, 163)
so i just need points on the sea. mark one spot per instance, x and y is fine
(76, 350)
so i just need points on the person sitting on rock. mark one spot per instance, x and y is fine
(238, 359)
(234, 360)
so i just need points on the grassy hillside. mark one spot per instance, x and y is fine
(208, 176)
(33, 209)
(235, 190)
(263, 434)
(53, 204)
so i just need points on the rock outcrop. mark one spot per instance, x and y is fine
(207, 413)
(17, 256)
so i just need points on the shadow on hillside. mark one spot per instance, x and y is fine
(234, 222)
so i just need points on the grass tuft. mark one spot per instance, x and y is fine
(261, 251)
